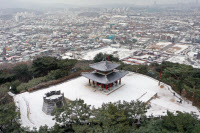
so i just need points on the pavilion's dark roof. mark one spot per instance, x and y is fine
(104, 66)
(105, 79)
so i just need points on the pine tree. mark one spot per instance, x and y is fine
(111, 119)
(73, 114)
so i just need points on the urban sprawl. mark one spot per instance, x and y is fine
(134, 35)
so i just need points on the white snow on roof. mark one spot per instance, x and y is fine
(136, 86)
(54, 97)
(135, 60)
(163, 43)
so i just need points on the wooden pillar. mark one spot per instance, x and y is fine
(89, 81)
(110, 86)
(93, 83)
(120, 81)
(116, 82)
(102, 86)
(106, 86)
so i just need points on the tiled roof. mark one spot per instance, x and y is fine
(104, 66)
(105, 79)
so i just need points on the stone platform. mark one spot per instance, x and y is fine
(104, 91)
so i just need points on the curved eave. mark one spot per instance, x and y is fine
(104, 69)
(105, 79)
(104, 66)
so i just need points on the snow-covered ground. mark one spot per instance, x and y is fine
(184, 60)
(134, 61)
(178, 59)
(178, 48)
(118, 52)
(68, 55)
(136, 87)
(167, 101)
(195, 61)
(182, 47)
(187, 58)
(163, 43)
(159, 45)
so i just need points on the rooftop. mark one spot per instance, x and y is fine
(105, 79)
(104, 66)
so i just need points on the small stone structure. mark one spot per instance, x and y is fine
(52, 100)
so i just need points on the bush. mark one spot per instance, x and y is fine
(99, 57)
(25, 86)
(56, 74)
(4, 97)
(43, 65)
(83, 65)
(6, 76)
(128, 68)
(21, 72)
(14, 86)
(54, 82)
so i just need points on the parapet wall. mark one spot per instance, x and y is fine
(49, 104)
(47, 100)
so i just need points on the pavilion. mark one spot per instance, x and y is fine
(105, 75)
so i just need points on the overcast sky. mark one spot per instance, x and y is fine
(13, 3)
(141, 2)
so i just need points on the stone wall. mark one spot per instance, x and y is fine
(50, 104)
